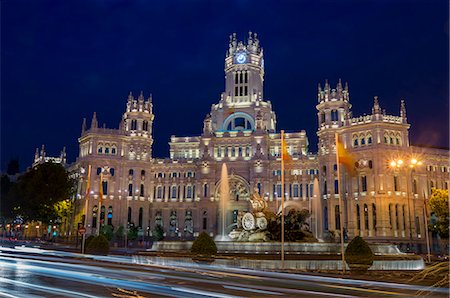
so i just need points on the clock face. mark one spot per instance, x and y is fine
(241, 58)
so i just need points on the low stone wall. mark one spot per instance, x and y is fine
(417, 264)
(272, 247)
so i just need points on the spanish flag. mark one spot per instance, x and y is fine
(284, 151)
(344, 157)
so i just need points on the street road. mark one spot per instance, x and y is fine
(32, 272)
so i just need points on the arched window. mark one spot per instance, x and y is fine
(238, 121)
(113, 150)
(189, 192)
(374, 216)
(366, 217)
(404, 217)
(131, 172)
(205, 190)
(358, 217)
(99, 170)
(295, 188)
(334, 115)
(105, 187)
(369, 140)
(355, 143)
(100, 150)
(337, 217)
(106, 150)
(159, 192)
(129, 215)
(143, 174)
(141, 215)
(110, 215)
(363, 141)
(111, 171)
(130, 190)
(94, 216)
(133, 124)
(336, 186)
(142, 190)
(173, 192)
(102, 215)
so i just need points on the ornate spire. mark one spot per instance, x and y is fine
(43, 151)
(141, 97)
(94, 122)
(36, 154)
(130, 97)
(339, 85)
(403, 110)
(83, 126)
(376, 106)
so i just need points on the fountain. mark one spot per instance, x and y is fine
(316, 211)
(224, 199)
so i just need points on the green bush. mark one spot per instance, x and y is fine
(88, 240)
(359, 255)
(204, 245)
(119, 234)
(132, 232)
(158, 233)
(98, 245)
(107, 231)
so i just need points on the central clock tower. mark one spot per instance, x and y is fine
(244, 71)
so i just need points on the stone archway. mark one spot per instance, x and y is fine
(239, 189)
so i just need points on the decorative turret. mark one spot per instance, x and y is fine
(403, 110)
(259, 121)
(62, 156)
(207, 125)
(244, 69)
(137, 122)
(36, 154)
(333, 105)
(42, 151)
(376, 106)
(94, 122)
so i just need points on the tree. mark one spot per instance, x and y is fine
(204, 245)
(439, 206)
(6, 202)
(38, 192)
(158, 233)
(107, 231)
(358, 255)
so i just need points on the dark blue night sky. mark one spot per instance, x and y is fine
(63, 60)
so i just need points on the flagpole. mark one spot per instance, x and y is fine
(340, 202)
(88, 183)
(427, 236)
(282, 200)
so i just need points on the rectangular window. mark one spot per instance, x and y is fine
(174, 192)
(236, 91)
(295, 190)
(105, 187)
(396, 188)
(363, 183)
(279, 190)
(245, 90)
(336, 187)
(205, 223)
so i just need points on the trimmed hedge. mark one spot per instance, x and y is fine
(98, 245)
(204, 245)
(359, 255)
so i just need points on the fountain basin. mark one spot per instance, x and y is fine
(272, 247)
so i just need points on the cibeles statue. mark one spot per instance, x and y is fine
(252, 226)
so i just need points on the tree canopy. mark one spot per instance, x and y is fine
(38, 193)
(439, 206)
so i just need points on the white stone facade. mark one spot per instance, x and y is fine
(181, 192)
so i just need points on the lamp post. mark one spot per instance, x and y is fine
(410, 165)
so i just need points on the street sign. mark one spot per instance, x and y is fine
(82, 230)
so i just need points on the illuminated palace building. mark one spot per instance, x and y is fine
(382, 202)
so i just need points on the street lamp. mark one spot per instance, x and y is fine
(410, 164)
